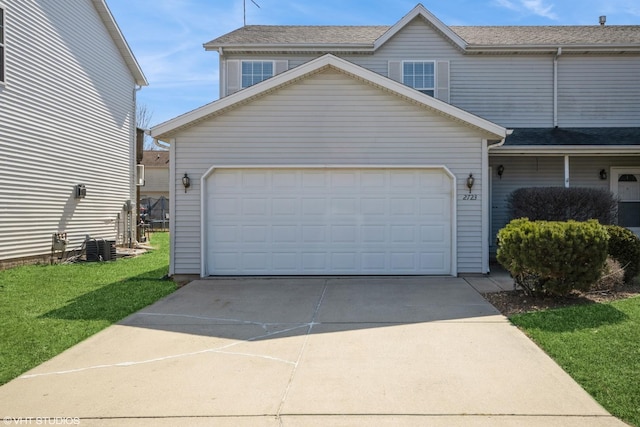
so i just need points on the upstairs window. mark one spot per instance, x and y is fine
(420, 75)
(256, 71)
(1, 43)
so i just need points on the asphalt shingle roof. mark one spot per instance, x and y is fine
(155, 158)
(573, 136)
(474, 36)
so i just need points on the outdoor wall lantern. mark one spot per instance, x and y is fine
(500, 171)
(470, 182)
(603, 174)
(186, 181)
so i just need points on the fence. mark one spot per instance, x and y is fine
(155, 212)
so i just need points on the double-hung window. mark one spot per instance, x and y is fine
(420, 75)
(2, 44)
(256, 71)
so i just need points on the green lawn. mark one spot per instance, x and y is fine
(599, 346)
(45, 309)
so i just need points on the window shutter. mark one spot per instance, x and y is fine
(395, 70)
(281, 66)
(442, 83)
(233, 76)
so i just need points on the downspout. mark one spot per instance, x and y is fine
(555, 87)
(223, 73)
(486, 203)
(134, 172)
(500, 143)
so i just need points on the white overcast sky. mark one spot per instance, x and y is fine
(166, 36)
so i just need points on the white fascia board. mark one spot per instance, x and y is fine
(594, 150)
(552, 49)
(118, 38)
(420, 10)
(292, 47)
(164, 130)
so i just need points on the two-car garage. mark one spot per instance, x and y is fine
(341, 220)
(329, 169)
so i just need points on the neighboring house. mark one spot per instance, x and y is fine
(68, 83)
(156, 175)
(391, 150)
(154, 193)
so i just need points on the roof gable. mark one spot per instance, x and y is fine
(470, 39)
(165, 131)
(421, 11)
(120, 41)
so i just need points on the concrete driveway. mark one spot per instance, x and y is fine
(308, 352)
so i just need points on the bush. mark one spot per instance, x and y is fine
(624, 246)
(551, 257)
(612, 276)
(563, 204)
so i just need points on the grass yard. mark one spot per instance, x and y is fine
(599, 346)
(45, 309)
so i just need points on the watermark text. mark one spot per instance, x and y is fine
(41, 421)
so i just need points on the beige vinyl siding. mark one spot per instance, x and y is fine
(327, 119)
(67, 119)
(598, 91)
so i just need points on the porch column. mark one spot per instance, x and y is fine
(566, 171)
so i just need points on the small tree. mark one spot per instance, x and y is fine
(143, 121)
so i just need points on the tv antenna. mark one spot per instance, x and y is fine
(244, 2)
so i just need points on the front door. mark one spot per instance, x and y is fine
(625, 184)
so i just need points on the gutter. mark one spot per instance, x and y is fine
(500, 143)
(561, 150)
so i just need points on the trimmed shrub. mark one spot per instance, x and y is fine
(563, 204)
(624, 247)
(552, 257)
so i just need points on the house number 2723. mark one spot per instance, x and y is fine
(470, 197)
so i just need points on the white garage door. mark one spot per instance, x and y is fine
(328, 221)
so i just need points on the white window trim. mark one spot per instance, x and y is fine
(435, 74)
(243, 61)
(3, 44)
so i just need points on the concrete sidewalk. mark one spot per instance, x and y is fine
(390, 351)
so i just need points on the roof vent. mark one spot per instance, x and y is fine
(603, 20)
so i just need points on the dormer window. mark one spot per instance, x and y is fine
(256, 71)
(420, 75)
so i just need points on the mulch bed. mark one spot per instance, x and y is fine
(515, 302)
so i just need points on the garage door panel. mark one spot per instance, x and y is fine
(403, 206)
(433, 233)
(328, 221)
(284, 207)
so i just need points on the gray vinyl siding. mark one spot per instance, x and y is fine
(67, 119)
(327, 119)
(545, 171)
(598, 91)
(510, 91)
(515, 90)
